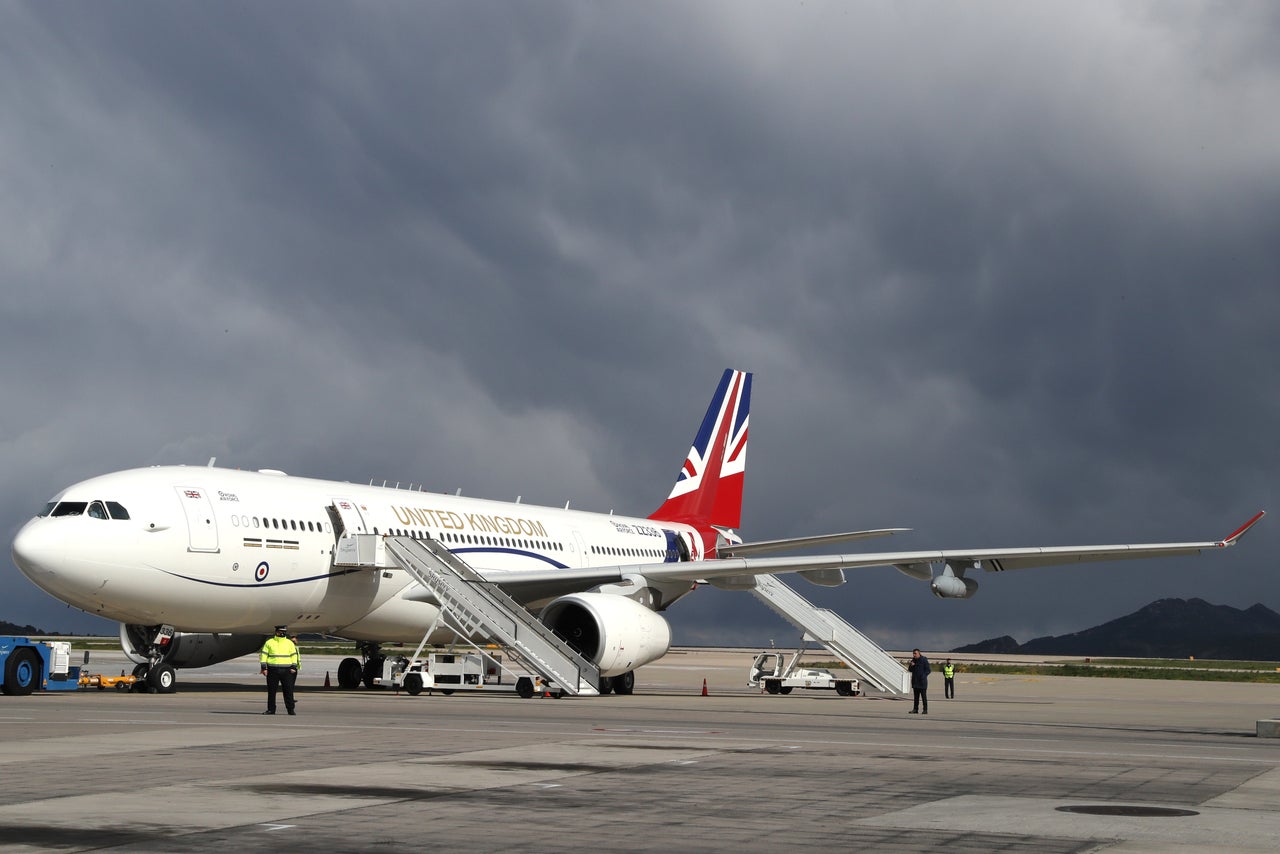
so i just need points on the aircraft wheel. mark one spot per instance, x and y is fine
(21, 672)
(413, 683)
(625, 683)
(140, 670)
(372, 671)
(605, 685)
(161, 679)
(350, 673)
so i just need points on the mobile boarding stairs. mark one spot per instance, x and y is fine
(473, 607)
(822, 625)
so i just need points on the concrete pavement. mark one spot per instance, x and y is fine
(1004, 767)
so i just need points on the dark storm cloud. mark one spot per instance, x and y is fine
(1005, 273)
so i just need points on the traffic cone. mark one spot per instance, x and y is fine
(704, 686)
(326, 679)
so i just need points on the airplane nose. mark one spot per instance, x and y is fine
(32, 550)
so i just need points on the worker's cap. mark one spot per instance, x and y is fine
(280, 629)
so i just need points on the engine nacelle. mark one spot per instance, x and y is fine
(615, 632)
(918, 571)
(187, 650)
(950, 587)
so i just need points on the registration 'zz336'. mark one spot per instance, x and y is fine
(642, 530)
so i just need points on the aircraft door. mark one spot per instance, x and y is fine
(202, 527)
(584, 558)
(350, 517)
(677, 548)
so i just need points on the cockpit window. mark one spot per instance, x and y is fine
(48, 508)
(68, 508)
(97, 510)
(117, 510)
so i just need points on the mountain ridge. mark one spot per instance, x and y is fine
(1167, 628)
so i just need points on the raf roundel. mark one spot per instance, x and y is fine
(260, 574)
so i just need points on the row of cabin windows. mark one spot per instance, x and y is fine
(483, 540)
(621, 552)
(278, 524)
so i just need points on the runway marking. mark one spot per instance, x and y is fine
(660, 731)
(1104, 753)
(271, 827)
(1170, 745)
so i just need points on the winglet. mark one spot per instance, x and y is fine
(1230, 540)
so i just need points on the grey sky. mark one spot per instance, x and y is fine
(1006, 273)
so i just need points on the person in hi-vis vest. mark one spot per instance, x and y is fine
(280, 661)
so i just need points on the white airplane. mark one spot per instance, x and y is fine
(197, 564)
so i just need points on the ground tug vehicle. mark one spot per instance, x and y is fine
(27, 665)
(770, 672)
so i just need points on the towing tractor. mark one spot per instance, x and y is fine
(778, 677)
(442, 671)
(447, 672)
(27, 665)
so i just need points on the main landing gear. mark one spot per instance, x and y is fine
(352, 671)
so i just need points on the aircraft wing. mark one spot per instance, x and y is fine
(527, 586)
(763, 546)
(992, 560)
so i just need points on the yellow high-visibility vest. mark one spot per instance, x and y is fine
(279, 652)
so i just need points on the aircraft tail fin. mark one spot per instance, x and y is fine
(708, 490)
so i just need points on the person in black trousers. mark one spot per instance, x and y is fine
(919, 669)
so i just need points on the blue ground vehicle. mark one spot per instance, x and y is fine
(26, 665)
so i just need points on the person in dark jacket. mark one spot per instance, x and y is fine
(919, 669)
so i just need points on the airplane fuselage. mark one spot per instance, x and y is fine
(229, 551)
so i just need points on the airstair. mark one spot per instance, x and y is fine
(474, 607)
(828, 628)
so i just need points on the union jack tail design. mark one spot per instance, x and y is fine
(708, 490)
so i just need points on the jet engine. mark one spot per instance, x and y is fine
(187, 650)
(948, 586)
(615, 632)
